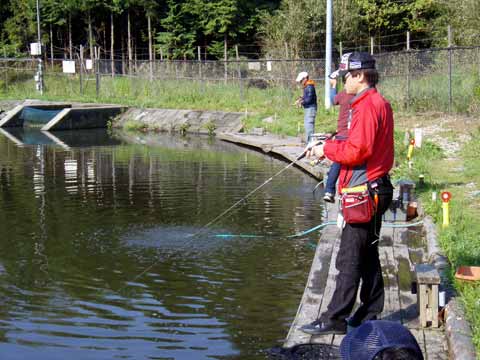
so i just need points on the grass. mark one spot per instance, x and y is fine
(460, 241)
(257, 104)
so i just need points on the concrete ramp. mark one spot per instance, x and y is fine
(14, 118)
(83, 118)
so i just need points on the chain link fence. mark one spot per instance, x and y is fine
(445, 79)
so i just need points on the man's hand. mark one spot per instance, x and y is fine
(298, 102)
(316, 151)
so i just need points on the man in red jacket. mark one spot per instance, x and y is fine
(366, 157)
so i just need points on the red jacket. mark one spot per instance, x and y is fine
(367, 154)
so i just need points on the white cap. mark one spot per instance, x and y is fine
(334, 74)
(302, 75)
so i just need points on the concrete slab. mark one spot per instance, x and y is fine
(83, 118)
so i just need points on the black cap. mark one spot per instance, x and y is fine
(355, 61)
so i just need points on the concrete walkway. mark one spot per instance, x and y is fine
(400, 249)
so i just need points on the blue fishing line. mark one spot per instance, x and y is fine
(318, 227)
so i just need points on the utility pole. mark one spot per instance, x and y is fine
(40, 65)
(328, 54)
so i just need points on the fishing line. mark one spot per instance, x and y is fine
(242, 200)
(387, 224)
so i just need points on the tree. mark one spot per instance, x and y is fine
(20, 28)
(179, 35)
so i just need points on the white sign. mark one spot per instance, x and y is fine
(418, 137)
(254, 66)
(68, 66)
(89, 64)
(35, 49)
(269, 66)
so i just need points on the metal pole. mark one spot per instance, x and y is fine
(328, 54)
(40, 65)
(371, 45)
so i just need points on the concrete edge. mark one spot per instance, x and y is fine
(11, 115)
(57, 118)
(457, 328)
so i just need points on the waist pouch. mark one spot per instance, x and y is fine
(357, 204)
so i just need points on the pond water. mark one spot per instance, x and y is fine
(104, 254)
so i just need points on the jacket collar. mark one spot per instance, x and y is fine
(309, 82)
(362, 94)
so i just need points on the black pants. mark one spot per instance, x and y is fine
(358, 259)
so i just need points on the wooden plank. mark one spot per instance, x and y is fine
(328, 293)
(408, 301)
(426, 274)
(437, 345)
(314, 290)
(391, 310)
(420, 337)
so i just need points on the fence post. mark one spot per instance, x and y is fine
(450, 98)
(408, 70)
(200, 74)
(97, 71)
(225, 58)
(340, 46)
(81, 69)
(239, 73)
(371, 45)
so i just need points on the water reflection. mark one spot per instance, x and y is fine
(79, 224)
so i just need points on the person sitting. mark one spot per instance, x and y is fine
(380, 340)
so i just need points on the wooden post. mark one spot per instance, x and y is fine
(428, 281)
(450, 43)
(225, 58)
(129, 43)
(51, 47)
(408, 71)
(112, 48)
(150, 56)
(239, 72)
(200, 75)
(81, 69)
(97, 71)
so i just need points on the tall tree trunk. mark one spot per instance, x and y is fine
(51, 46)
(90, 35)
(135, 57)
(129, 41)
(112, 40)
(122, 41)
(225, 56)
(150, 53)
(70, 45)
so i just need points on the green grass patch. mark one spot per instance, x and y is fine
(460, 241)
(275, 102)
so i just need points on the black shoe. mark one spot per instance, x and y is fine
(354, 323)
(329, 197)
(324, 328)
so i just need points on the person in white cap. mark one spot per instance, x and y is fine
(309, 103)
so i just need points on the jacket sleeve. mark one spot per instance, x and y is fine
(361, 138)
(308, 95)
(333, 95)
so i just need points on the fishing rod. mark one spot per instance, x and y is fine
(205, 227)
